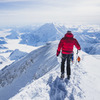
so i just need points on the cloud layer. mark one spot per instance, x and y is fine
(61, 11)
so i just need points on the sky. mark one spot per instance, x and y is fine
(43, 11)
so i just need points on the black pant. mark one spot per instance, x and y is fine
(64, 57)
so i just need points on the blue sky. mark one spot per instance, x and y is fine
(42, 11)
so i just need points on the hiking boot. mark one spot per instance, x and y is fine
(68, 77)
(62, 76)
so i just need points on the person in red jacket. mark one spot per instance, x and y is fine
(66, 46)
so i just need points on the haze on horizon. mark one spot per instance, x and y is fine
(41, 11)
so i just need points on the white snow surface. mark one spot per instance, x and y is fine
(36, 77)
(17, 54)
(11, 46)
(96, 49)
(32, 66)
(4, 61)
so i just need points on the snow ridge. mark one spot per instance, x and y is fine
(33, 66)
(68, 89)
(53, 88)
(40, 81)
(17, 54)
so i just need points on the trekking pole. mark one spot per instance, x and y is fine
(76, 56)
(77, 53)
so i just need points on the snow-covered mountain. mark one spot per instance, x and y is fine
(89, 41)
(24, 38)
(87, 35)
(33, 66)
(2, 40)
(83, 85)
(2, 47)
(36, 77)
(43, 34)
(2, 59)
(14, 35)
(17, 54)
(95, 49)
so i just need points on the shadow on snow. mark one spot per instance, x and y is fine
(57, 88)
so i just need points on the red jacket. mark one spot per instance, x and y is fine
(67, 43)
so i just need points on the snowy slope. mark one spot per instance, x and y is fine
(17, 54)
(95, 49)
(2, 47)
(36, 77)
(89, 41)
(13, 35)
(9, 41)
(4, 32)
(2, 59)
(2, 40)
(43, 34)
(83, 85)
(21, 73)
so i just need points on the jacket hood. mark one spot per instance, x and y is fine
(69, 35)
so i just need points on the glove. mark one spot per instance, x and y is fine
(58, 52)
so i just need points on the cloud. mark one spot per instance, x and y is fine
(27, 11)
(5, 1)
